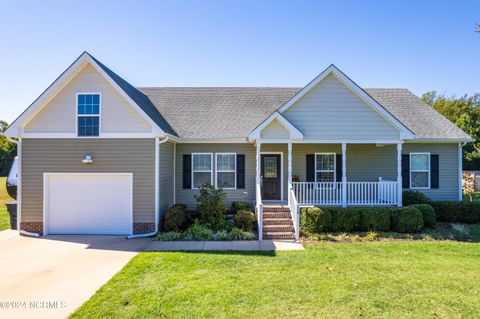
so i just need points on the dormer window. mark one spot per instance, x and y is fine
(88, 114)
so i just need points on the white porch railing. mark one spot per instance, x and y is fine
(294, 210)
(259, 211)
(381, 193)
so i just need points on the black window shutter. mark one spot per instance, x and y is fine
(406, 170)
(187, 171)
(339, 167)
(310, 168)
(434, 171)
(240, 171)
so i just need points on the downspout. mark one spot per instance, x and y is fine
(157, 191)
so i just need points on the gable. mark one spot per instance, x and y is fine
(275, 130)
(59, 115)
(331, 111)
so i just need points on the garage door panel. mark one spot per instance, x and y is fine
(89, 204)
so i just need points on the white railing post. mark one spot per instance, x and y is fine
(344, 174)
(399, 175)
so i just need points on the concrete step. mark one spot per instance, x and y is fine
(277, 221)
(279, 235)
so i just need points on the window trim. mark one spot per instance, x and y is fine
(419, 171)
(202, 171)
(89, 115)
(327, 171)
(225, 171)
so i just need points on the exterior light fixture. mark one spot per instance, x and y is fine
(87, 159)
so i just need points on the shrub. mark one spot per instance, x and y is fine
(175, 218)
(344, 219)
(375, 219)
(429, 218)
(211, 206)
(222, 235)
(245, 220)
(198, 232)
(238, 234)
(448, 211)
(414, 197)
(170, 236)
(407, 220)
(315, 220)
(238, 205)
(470, 213)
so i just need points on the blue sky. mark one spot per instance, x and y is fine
(420, 45)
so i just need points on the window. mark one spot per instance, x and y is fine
(226, 170)
(325, 167)
(419, 170)
(88, 114)
(201, 169)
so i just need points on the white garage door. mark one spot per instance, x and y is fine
(88, 203)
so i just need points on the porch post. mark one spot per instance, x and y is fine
(257, 179)
(399, 174)
(289, 163)
(344, 174)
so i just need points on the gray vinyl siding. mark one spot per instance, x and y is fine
(330, 111)
(165, 177)
(186, 196)
(448, 169)
(109, 155)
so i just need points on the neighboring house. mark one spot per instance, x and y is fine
(99, 156)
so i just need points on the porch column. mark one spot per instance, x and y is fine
(257, 179)
(399, 174)
(289, 163)
(344, 174)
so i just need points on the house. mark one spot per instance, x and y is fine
(97, 155)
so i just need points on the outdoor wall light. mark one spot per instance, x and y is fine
(87, 159)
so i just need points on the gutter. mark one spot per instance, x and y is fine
(157, 164)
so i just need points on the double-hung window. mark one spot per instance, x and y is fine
(88, 114)
(201, 169)
(325, 167)
(226, 170)
(419, 170)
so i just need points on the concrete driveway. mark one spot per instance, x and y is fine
(50, 277)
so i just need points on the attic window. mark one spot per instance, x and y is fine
(88, 114)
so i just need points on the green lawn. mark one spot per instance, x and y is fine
(379, 279)
(4, 198)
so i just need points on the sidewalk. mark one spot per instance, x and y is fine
(244, 245)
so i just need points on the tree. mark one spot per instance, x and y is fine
(8, 150)
(465, 113)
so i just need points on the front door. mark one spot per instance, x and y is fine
(271, 177)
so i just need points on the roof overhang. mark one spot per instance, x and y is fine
(16, 129)
(295, 134)
(405, 133)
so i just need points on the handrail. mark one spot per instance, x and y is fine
(294, 210)
(259, 211)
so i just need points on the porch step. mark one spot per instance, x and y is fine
(276, 209)
(277, 221)
(279, 235)
(268, 215)
(278, 228)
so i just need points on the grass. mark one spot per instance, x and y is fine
(4, 198)
(410, 279)
(474, 197)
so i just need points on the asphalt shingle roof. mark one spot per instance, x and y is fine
(233, 112)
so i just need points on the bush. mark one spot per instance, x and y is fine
(236, 206)
(315, 220)
(175, 218)
(211, 206)
(448, 211)
(198, 232)
(170, 236)
(238, 234)
(375, 219)
(470, 213)
(414, 197)
(245, 220)
(344, 219)
(407, 220)
(429, 217)
(222, 235)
